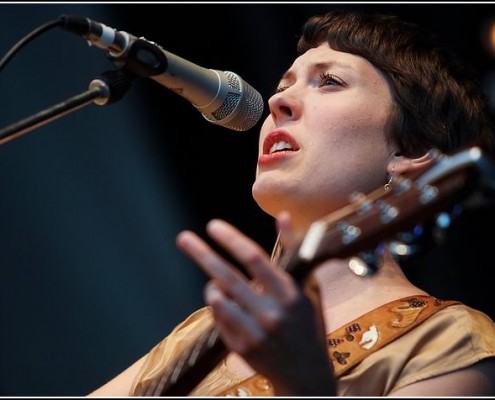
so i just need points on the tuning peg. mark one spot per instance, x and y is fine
(421, 237)
(360, 267)
(400, 249)
(366, 263)
(443, 222)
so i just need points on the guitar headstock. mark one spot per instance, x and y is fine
(465, 179)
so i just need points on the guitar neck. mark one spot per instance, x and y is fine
(192, 367)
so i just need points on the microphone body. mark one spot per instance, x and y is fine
(222, 97)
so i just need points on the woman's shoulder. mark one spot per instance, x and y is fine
(455, 329)
(461, 320)
(460, 313)
(454, 337)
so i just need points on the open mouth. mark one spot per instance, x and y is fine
(278, 142)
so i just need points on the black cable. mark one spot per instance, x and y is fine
(26, 39)
(105, 89)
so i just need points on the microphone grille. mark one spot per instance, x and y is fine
(242, 107)
(227, 107)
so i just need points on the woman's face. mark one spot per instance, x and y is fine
(325, 137)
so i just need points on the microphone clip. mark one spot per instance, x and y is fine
(143, 58)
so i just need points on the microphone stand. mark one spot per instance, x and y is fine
(107, 88)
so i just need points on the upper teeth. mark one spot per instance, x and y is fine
(280, 146)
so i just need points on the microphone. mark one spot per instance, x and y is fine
(222, 97)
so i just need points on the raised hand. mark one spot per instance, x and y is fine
(267, 320)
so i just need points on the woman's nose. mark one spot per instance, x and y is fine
(285, 105)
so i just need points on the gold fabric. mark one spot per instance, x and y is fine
(454, 337)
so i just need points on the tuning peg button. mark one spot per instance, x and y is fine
(388, 212)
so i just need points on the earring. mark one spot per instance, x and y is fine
(388, 185)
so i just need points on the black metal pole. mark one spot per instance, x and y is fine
(105, 89)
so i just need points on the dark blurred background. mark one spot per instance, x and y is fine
(90, 204)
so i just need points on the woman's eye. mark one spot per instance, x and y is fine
(324, 79)
(327, 79)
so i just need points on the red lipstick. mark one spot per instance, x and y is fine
(278, 145)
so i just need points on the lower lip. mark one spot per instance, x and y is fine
(267, 159)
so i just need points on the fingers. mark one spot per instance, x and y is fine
(251, 255)
(248, 319)
(236, 326)
(244, 250)
(227, 276)
(224, 292)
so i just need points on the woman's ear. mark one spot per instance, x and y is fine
(400, 164)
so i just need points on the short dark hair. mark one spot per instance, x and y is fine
(438, 100)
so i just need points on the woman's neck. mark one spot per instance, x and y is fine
(344, 296)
